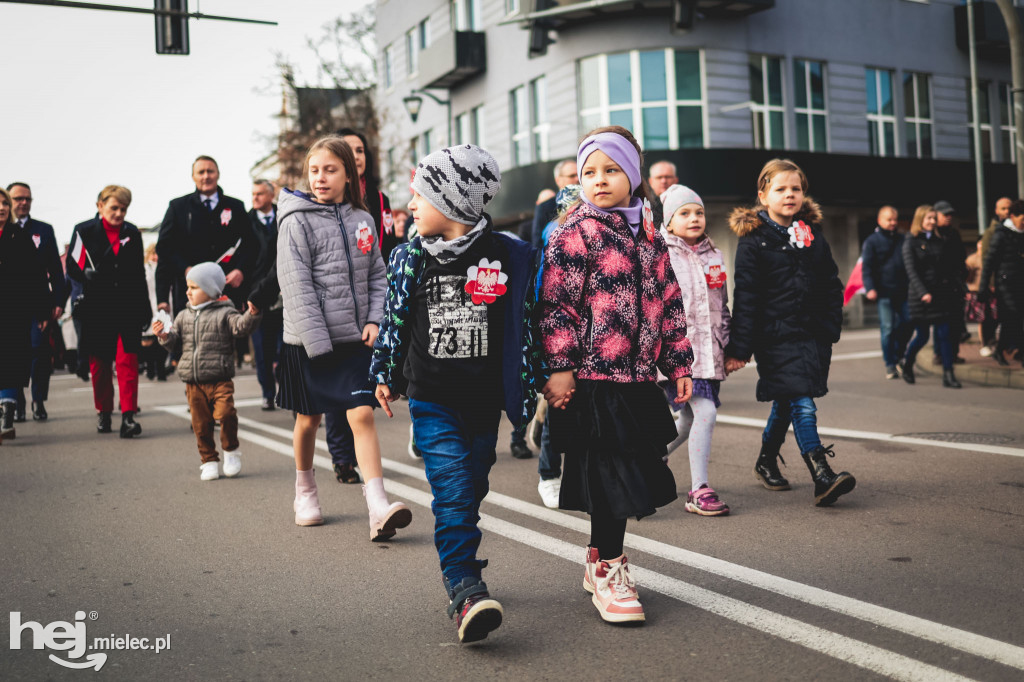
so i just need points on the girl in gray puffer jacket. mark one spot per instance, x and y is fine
(333, 283)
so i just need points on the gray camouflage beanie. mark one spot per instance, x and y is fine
(458, 181)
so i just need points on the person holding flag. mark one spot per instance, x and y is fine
(26, 297)
(106, 257)
(206, 225)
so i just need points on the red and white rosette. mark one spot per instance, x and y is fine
(225, 216)
(648, 214)
(485, 281)
(800, 234)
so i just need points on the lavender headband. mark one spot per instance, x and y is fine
(618, 150)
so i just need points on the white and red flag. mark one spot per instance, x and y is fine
(226, 256)
(79, 254)
(854, 285)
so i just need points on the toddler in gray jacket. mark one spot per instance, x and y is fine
(207, 330)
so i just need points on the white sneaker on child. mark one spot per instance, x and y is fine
(208, 471)
(549, 491)
(232, 463)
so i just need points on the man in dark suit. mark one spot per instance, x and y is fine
(46, 244)
(206, 225)
(268, 337)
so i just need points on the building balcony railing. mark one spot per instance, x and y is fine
(452, 58)
(990, 32)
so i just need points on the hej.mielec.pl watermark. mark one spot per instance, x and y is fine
(71, 638)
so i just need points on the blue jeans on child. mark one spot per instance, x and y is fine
(8, 394)
(458, 447)
(800, 412)
(893, 319)
(942, 344)
(549, 464)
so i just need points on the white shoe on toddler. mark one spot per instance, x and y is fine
(232, 463)
(208, 471)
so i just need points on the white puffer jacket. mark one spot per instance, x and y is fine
(707, 308)
(331, 273)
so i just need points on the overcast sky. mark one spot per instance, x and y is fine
(87, 101)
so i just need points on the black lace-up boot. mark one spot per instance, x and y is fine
(828, 485)
(766, 469)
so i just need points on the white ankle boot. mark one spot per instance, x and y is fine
(307, 504)
(384, 518)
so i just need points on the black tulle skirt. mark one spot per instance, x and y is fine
(338, 382)
(614, 437)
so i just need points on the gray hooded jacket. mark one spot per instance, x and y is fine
(332, 277)
(207, 338)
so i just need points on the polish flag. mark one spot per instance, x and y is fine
(226, 256)
(78, 252)
(854, 285)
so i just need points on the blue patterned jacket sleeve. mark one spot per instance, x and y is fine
(392, 344)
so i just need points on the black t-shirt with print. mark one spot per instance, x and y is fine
(456, 344)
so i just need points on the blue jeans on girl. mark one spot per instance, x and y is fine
(801, 413)
(942, 344)
(458, 447)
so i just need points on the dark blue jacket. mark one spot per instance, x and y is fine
(46, 245)
(882, 264)
(521, 367)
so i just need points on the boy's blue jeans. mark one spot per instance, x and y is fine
(549, 464)
(800, 412)
(893, 319)
(8, 394)
(458, 447)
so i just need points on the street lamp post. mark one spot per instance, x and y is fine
(413, 103)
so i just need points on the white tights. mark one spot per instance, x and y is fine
(695, 421)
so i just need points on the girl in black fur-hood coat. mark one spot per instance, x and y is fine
(787, 313)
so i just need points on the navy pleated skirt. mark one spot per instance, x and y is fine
(338, 381)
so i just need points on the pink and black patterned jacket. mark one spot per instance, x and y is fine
(611, 306)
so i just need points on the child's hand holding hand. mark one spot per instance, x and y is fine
(684, 390)
(253, 310)
(732, 364)
(158, 329)
(385, 396)
(559, 389)
(370, 335)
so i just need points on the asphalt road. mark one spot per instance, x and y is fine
(915, 575)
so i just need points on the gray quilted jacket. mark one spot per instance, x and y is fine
(207, 337)
(331, 272)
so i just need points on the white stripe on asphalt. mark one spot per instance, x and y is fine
(875, 435)
(968, 642)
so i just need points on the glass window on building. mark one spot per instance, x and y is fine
(657, 94)
(539, 118)
(414, 151)
(519, 123)
(423, 33)
(767, 108)
(428, 143)
(810, 105)
(389, 66)
(1008, 133)
(917, 107)
(881, 111)
(411, 52)
(466, 15)
(476, 116)
(462, 129)
(984, 118)
(511, 6)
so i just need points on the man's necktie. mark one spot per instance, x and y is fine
(209, 204)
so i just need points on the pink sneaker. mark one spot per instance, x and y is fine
(615, 592)
(704, 501)
(589, 566)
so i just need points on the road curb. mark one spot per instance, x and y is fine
(1002, 377)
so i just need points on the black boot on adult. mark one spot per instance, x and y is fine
(129, 427)
(949, 379)
(828, 485)
(103, 423)
(39, 412)
(907, 371)
(766, 469)
(7, 410)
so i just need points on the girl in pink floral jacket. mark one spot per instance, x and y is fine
(612, 316)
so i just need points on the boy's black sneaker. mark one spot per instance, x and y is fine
(476, 613)
(520, 450)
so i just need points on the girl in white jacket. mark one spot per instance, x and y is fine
(701, 273)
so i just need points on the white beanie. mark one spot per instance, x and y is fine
(209, 277)
(674, 198)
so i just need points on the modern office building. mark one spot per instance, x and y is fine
(871, 97)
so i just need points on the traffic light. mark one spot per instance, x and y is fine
(171, 31)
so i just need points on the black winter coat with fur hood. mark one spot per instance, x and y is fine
(787, 305)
